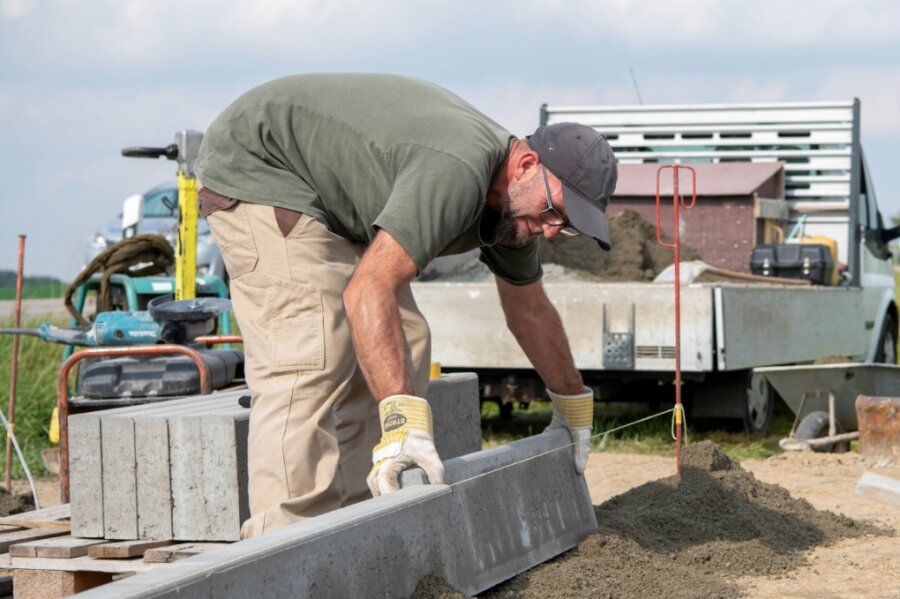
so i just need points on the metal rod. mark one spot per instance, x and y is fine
(62, 388)
(218, 339)
(677, 204)
(832, 424)
(14, 374)
(799, 411)
(833, 439)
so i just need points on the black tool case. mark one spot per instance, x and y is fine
(156, 376)
(812, 262)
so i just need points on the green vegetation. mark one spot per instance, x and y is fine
(649, 437)
(32, 287)
(39, 363)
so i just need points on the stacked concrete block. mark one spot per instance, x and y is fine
(170, 470)
(177, 470)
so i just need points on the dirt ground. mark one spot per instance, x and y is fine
(848, 561)
(867, 566)
(790, 526)
(47, 488)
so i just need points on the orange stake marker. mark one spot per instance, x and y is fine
(678, 203)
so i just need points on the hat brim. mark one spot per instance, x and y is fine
(585, 217)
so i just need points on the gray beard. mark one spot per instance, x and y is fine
(508, 235)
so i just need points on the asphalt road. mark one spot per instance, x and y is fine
(32, 309)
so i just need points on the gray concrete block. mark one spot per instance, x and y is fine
(509, 509)
(85, 476)
(186, 455)
(154, 485)
(137, 474)
(119, 478)
(154, 468)
(456, 408)
(224, 476)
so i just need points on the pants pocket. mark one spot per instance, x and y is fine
(231, 230)
(294, 315)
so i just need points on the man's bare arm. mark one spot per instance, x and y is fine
(374, 315)
(536, 325)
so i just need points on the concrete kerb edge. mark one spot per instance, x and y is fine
(573, 518)
(175, 576)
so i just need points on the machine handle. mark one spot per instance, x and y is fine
(170, 152)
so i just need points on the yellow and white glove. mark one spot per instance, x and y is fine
(407, 439)
(576, 413)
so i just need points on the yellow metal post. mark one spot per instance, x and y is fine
(184, 150)
(186, 252)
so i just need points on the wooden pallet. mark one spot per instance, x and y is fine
(47, 562)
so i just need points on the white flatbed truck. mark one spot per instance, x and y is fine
(622, 334)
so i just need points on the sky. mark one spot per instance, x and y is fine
(81, 79)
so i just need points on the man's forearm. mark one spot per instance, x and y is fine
(537, 327)
(374, 319)
(547, 349)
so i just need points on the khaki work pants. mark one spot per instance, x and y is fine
(313, 422)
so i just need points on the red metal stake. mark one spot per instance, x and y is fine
(14, 374)
(677, 204)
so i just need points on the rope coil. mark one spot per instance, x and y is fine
(138, 256)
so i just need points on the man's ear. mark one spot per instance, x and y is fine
(526, 161)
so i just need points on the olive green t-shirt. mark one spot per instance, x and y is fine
(363, 152)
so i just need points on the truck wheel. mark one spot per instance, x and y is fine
(887, 342)
(815, 426)
(759, 405)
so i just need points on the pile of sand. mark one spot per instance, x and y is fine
(635, 256)
(682, 536)
(10, 503)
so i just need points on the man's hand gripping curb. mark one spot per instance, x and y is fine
(407, 439)
(576, 413)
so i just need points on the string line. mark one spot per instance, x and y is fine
(561, 447)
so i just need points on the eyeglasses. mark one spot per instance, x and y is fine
(551, 216)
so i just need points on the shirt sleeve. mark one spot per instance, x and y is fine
(519, 266)
(435, 198)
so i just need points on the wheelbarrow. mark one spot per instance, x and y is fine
(823, 398)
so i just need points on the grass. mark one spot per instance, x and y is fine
(650, 437)
(39, 363)
(44, 290)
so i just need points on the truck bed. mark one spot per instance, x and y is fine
(630, 326)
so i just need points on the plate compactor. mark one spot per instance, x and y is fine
(107, 382)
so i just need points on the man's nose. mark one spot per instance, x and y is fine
(549, 231)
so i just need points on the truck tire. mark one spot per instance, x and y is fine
(815, 426)
(887, 342)
(758, 405)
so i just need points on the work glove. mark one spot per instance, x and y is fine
(575, 413)
(407, 439)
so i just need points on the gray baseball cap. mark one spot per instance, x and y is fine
(584, 162)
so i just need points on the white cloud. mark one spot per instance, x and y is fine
(762, 24)
(13, 9)
(877, 88)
